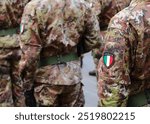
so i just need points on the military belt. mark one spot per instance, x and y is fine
(140, 99)
(9, 31)
(59, 59)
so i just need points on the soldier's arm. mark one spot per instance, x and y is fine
(30, 43)
(114, 67)
(92, 31)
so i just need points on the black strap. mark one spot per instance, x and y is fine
(59, 59)
(147, 94)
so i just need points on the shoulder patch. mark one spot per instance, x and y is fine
(108, 59)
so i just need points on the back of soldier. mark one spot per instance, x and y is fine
(54, 29)
(10, 17)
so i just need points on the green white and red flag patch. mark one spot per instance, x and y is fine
(108, 59)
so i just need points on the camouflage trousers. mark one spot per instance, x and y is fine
(6, 99)
(10, 93)
(17, 84)
(59, 95)
(18, 96)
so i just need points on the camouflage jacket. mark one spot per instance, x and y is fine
(11, 12)
(109, 8)
(124, 69)
(106, 9)
(55, 27)
(10, 18)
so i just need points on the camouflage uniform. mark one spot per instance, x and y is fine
(105, 10)
(124, 69)
(10, 17)
(55, 31)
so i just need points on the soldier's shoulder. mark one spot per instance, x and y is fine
(130, 13)
(123, 15)
(120, 20)
(32, 4)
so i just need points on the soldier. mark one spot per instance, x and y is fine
(10, 17)
(105, 10)
(124, 69)
(53, 36)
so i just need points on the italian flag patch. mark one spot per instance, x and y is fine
(108, 59)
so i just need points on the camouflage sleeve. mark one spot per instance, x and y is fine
(92, 31)
(30, 44)
(113, 68)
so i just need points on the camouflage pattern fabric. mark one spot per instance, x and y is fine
(10, 18)
(105, 10)
(95, 5)
(52, 28)
(108, 9)
(60, 95)
(124, 68)
(97, 52)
